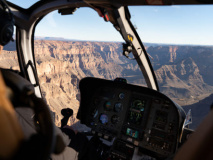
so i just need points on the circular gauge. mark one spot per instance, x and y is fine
(115, 119)
(121, 95)
(104, 118)
(108, 106)
(118, 107)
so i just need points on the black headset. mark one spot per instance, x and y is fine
(6, 23)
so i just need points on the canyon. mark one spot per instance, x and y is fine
(184, 73)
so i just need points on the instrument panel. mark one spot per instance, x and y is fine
(136, 115)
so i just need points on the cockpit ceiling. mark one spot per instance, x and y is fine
(116, 3)
(148, 2)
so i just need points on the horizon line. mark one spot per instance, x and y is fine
(154, 43)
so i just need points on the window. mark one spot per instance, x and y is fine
(69, 48)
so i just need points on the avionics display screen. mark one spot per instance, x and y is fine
(132, 133)
(136, 111)
(135, 117)
(138, 105)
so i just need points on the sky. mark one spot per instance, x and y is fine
(155, 24)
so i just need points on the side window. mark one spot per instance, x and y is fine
(63, 61)
(8, 56)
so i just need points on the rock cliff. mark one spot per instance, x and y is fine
(182, 71)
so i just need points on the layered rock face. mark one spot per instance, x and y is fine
(184, 73)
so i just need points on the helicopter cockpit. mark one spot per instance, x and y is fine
(125, 121)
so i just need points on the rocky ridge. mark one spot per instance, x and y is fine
(182, 71)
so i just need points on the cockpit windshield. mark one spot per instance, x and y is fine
(177, 39)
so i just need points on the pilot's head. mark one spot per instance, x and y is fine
(6, 24)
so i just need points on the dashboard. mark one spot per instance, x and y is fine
(135, 116)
